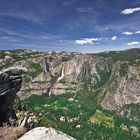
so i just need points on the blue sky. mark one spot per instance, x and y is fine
(70, 25)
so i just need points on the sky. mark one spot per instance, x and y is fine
(70, 25)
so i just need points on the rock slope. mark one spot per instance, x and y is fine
(42, 133)
(124, 86)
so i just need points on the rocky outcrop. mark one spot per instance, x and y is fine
(123, 87)
(43, 133)
(27, 119)
(10, 84)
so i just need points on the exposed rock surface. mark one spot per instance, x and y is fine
(123, 89)
(27, 119)
(57, 74)
(42, 133)
(10, 84)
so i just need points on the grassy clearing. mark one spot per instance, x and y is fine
(100, 118)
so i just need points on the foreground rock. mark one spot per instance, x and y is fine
(42, 133)
(10, 84)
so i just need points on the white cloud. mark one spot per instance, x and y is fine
(133, 43)
(137, 32)
(87, 41)
(114, 37)
(8, 38)
(127, 33)
(130, 10)
(131, 33)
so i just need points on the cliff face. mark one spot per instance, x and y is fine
(10, 84)
(123, 87)
(69, 76)
(61, 73)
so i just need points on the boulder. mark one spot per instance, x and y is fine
(43, 133)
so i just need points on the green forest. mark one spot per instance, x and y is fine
(81, 116)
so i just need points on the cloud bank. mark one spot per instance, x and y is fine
(114, 38)
(130, 10)
(127, 33)
(133, 43)
(137, 32)
(87, 41)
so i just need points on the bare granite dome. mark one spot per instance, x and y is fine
(43, 133)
